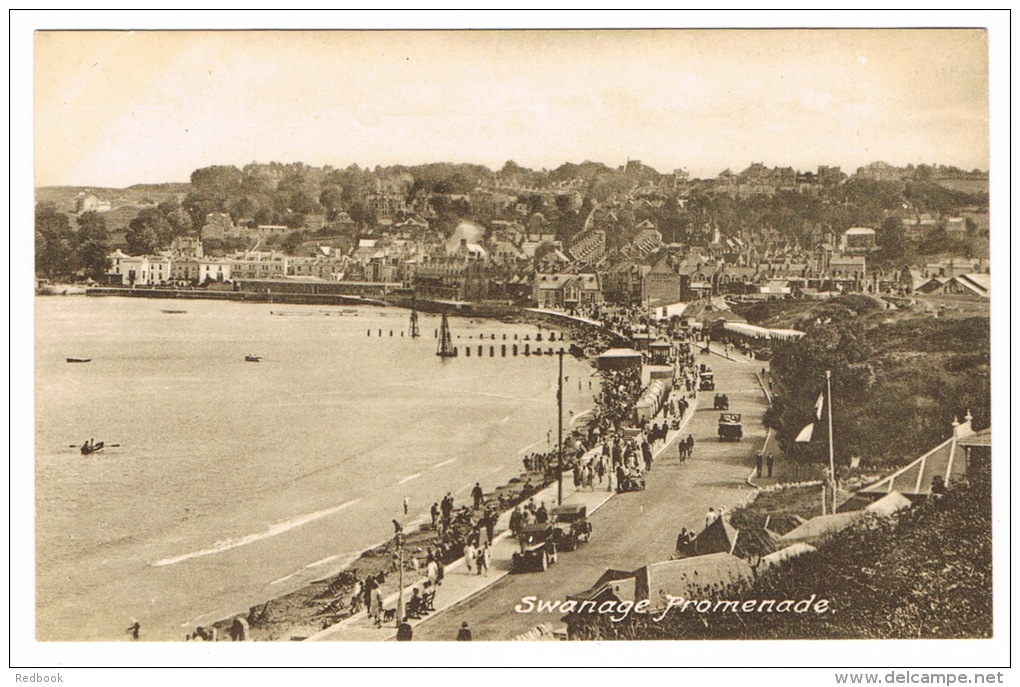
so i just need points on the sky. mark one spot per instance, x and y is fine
(119, 108)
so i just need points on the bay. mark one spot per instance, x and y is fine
(235, 482)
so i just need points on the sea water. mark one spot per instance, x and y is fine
(235, 482)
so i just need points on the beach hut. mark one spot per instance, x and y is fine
(691, 578)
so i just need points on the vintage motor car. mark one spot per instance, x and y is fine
(721, 402)
(730, 428)
(571, 526)
(538, 548)
(707, 382)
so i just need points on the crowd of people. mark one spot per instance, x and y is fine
(613, 444)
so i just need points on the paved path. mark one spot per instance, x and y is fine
(459, 586)
(632, 529)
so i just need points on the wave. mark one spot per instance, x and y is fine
(271, 531)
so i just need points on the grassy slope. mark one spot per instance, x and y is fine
(921, 372)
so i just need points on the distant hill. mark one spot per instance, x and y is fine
(140, 194)
(125, 203)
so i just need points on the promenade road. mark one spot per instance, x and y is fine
(636, 528)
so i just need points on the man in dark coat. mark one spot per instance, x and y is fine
(477, 494)
(464, 634)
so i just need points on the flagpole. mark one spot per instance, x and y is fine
(832, 461)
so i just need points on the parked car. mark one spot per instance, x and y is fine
(571, 525)
(538, 548)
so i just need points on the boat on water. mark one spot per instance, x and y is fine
(253, 358)
(90, 447)
(79, 360)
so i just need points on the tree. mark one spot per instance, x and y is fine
(331, 199)
(891, 240)
(543, 249)
(93, 245)
(54, 242)
(141, 239)
(148, 232)
(362, 215)
(292, 242)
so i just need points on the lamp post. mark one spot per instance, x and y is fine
(559, 445)
(832, 460)
(400, 577)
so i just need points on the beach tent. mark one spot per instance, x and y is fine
(719, 537)
(818, 529)
(690, 578)
(889, 504)
(782, 555)
(618, 584)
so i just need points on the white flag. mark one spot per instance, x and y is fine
(819, 405)
(805, 434)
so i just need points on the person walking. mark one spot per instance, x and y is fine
(477, 495)
(770, 462)
(758, 463)
(480, 562)
(469, 556)
(435, 515)
(376, 607)
(432, 572)
(464, 633)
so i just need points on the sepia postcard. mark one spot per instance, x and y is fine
(577, 335)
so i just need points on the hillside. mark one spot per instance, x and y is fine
(141, 195)
(899, 377)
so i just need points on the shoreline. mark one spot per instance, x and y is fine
(326, 589)
(345, 560)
